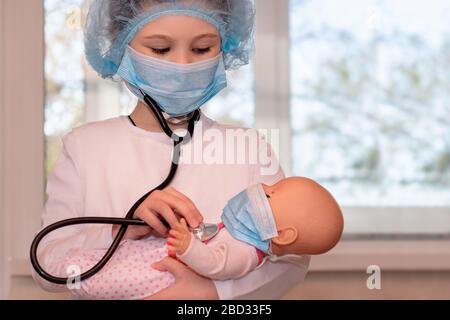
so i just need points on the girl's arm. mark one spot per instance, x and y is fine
(269, 282)
(188, 284)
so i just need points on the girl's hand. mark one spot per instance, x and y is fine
(167, 204)
(179, 238)
(188, 285)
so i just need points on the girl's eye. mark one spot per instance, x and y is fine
(202, 51)
(165, 50)
(160, 51)
(268, 197)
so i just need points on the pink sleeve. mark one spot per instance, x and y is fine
(65, 200)
(220, 260)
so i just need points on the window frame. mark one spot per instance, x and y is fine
(4, 280)
(272, 76)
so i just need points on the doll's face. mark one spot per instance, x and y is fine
(308, 219)
(178, 39)
(281, 198)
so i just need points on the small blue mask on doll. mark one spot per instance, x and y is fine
(249, 218)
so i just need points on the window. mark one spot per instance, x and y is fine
(369, 110)
(64, 77)
(75, 94)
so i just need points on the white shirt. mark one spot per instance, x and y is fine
(106, 166)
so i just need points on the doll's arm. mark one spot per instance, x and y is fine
(221, 260)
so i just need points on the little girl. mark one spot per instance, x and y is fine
(177, 53)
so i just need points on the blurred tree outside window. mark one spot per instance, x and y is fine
(371, 99)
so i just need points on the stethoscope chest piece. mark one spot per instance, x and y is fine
(206, 231)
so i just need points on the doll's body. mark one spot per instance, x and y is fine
(308, 221)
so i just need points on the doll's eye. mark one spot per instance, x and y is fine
(268, 197)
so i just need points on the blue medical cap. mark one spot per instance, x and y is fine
(112, 24)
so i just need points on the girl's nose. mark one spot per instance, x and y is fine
(182, 58)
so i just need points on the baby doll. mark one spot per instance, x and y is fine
(292, 218)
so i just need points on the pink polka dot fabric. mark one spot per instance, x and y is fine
(127, 276)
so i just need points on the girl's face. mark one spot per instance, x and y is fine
(178, 39)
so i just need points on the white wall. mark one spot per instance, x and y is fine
(3, 279)
(22, 140)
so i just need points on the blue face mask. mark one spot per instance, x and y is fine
(179, 89)
(249, 218)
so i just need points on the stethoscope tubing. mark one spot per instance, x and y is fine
(123, 222)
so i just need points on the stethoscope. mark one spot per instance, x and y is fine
(204, 232)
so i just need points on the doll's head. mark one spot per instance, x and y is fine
(307, 217)
(287, 220)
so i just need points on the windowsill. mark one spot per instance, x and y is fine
(392, 255)
(357, 255)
